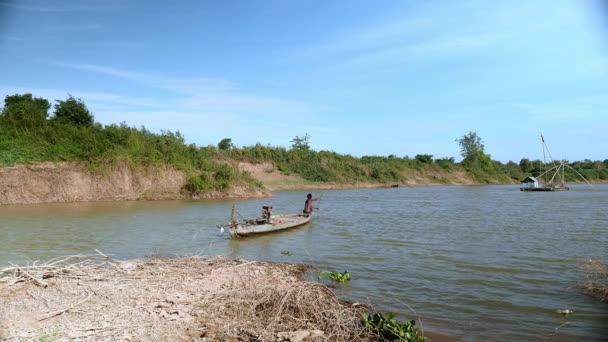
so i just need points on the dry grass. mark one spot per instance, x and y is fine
(96, 298)
(596, 284)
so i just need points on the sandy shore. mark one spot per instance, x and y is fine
(93, 298)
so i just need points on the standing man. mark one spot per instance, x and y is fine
(308, 207)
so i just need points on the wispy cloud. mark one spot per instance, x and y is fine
(205, 94)
(76, 28)
(110, 71)
(11, 38)
(434, 31)
(115, 44)
(98, 99)
(220, 107)
(431, 28)
(566, 110)
(200, 85)
(48, 7)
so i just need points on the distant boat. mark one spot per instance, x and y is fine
(557, 172)
(531, 184)
(266, 224)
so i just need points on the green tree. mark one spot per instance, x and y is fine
(73, 111)
(525, 165)
(301, 143)
(424, 158)
(25, 110)
(225, 144)
(471, 147)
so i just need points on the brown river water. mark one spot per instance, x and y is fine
(486, 263)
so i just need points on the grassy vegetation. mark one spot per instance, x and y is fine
(40, 139)
(29, 135)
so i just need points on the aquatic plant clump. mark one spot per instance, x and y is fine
(338, 277)
(388, 328)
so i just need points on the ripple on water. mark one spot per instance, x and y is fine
(481, 263)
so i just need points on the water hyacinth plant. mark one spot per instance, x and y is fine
(338, 277)
(388, 328)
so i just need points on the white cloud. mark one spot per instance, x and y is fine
(109, 71)
(115, 44)
(201, 108)
(97, 99)
(55, 7)
(205, 94)
(11, 38)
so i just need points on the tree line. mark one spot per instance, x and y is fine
(29, 134)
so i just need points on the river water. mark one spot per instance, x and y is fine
(487, 263)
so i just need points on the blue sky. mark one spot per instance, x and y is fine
(361, 77)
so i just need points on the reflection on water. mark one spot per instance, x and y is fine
(479, 263)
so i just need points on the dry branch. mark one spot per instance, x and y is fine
(166, 299)
(34, 279)
(59, 312)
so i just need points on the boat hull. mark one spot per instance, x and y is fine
(278, 223)
(565, 188)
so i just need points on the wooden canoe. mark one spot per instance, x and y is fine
(276, 223)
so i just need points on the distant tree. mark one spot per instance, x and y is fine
(445, 162)
(424, 158)
(472, 151)
(73, 111)
(597, 164)
(605, 162)
(525, 165)
(537, 167)
(471, 147)
(301, 143)
(25, 110)
(225, 144)
(587, 164)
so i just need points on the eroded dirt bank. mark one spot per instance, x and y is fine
(95, 298)
(73, 182)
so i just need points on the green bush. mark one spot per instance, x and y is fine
(73, 111)
(25, 111)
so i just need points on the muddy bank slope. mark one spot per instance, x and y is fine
(274, 180)
(73, 182)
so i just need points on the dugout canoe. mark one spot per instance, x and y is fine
(274, 224)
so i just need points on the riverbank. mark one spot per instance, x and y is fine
(75, 182)
(273, 180)
(160, 299)
(62, 182)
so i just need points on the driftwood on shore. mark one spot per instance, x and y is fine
(93, 297)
